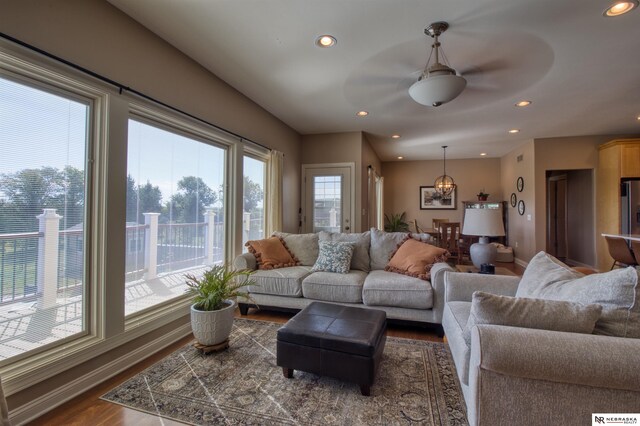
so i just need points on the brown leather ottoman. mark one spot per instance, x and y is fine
(342, 342)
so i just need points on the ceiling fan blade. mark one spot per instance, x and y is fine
(487, 67)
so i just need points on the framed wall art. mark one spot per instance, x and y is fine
(514, 199)
(520, 184)
(431, 200)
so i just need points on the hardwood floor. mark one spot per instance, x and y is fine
(89, 409)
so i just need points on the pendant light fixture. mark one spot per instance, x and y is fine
(444, 185)
(438, 83)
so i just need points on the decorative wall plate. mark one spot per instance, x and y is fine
(521, 207)
(514, 199)
(520, 184)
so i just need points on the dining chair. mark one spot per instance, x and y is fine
(449, 235)
(418, 229)
(620, 252)
(435, 224)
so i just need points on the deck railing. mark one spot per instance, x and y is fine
(44, 263)
(18, 265)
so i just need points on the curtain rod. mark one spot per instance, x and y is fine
(122, 87)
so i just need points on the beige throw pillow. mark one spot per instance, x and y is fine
(616, 291)
(553, 315)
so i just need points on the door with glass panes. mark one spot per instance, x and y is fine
(327, 199)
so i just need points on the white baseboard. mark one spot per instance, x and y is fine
(49, 401)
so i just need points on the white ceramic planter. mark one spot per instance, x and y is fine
(212, 327)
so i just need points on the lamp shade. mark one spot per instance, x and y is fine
(435, 90)
(483, 222)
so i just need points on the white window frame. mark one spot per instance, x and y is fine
(26, 369)
(174, 122)
(106, 326)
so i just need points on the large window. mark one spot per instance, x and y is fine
(175, 212)
(43, 144)
(253, 216)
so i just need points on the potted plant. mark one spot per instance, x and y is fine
(213, 302)
(396, 222)
(482, 196)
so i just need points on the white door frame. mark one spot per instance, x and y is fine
(352, 173)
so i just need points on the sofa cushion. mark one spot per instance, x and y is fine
(362, 241)
(616, 291)
(382, 288)
(456, 316)
(415, 259)
(332, 287)
(281, 282)
(271, 253)
(334, 257)
(302, 246)
(541, 314)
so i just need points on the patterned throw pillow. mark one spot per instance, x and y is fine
(334, 257)
(271, 253)
(416, 258)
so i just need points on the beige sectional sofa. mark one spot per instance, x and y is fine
(366, 285)
(527, 375)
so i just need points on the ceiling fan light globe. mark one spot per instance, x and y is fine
(437, 89)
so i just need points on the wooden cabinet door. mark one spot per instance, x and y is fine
(630, 161)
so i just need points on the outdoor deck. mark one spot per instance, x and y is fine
(24, 327)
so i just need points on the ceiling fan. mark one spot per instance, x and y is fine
(438, 83)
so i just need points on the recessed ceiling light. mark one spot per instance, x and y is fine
(362, 113)
(483, 154)
(514, 131)
(638, 117)
(523, 103)
(326, 41)
(395, 136)
(400, 158)
(620, 8)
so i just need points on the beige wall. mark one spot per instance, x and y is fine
(97, 36)
(338, 148)
(521, 230)
(580, 210)
(403, 179)
(561, 154)
(539, 157)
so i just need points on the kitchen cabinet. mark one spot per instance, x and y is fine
(618, 159)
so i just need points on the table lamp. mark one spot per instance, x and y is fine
(484, 223)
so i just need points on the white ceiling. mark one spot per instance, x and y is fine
(580, 69)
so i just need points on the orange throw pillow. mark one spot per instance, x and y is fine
(271, 253)
(415, 258)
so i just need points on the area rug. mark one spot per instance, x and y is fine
(243, 385)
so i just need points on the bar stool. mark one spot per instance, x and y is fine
(620, 252)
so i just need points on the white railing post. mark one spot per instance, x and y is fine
(151, 245)
(209, 219)
(48, 247)
(246, 224)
